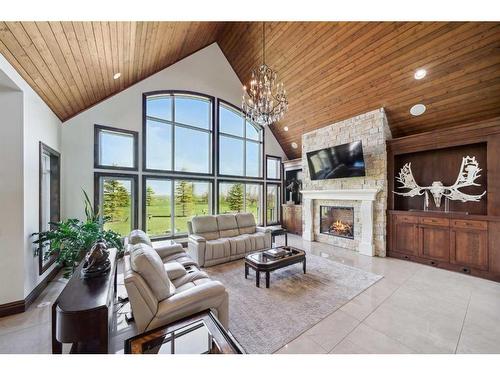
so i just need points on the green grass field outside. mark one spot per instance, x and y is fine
(158, 217)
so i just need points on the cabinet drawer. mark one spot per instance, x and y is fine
(406, 219)
(441, 221)
(470, 224)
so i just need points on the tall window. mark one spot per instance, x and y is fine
(273, 167)
(240, 144)
(272, 203)
(174, 122)
(50, 197)
(116, 199)
(115, 148)
(189, 197)
(238, 196)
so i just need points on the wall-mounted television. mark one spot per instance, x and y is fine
(337, 162)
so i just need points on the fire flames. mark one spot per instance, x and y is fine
(341, 227)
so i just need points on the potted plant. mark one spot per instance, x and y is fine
(71, 239)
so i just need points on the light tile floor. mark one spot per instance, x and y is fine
(413, 309)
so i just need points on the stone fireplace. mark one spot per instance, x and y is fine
(337, 221)
(367, 196)
(361, 201)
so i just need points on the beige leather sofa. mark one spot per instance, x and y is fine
(164, 284)
(221, 238)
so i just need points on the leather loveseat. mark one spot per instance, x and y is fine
(216, 239)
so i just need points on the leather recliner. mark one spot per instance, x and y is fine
(164, 284)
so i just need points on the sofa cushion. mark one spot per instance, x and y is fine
(246, 223)
(217, 249)
(240, 244)
(228, 227)
(183, 258)
(205, 226)
(174, 270)
(258, 241)
(145, 261)
(138, 236)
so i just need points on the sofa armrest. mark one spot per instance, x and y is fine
(263, 229)
(196, 248)
(166, 248)
(196, 238)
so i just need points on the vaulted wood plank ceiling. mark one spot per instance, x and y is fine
(71, 64)
(332, 71)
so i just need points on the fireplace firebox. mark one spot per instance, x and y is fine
(337, 221)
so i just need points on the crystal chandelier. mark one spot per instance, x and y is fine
(264, 100)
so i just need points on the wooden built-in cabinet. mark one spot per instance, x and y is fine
(292, 218)
(466, 238)
(444, 241)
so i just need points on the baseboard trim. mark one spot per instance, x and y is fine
(12, 308)
(20, 306)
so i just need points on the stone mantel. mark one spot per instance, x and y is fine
(341, 194)
(365, 196)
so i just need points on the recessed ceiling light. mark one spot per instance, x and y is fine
(117, 75)
(417, 109)
(294, 145)
(285, 128)
(420, 73)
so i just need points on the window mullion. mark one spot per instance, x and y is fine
(172, 167)
(172, 208)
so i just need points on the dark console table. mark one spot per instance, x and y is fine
(82, 313)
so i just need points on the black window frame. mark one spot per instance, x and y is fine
(172, 179)
(280, 164)
(55, 202)
(260, 222)
(279, 185)
(134, 193)
(261, 143)
(210, 131)
(97, 146)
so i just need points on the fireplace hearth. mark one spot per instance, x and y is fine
(337, 221)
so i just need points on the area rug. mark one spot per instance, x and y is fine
(264, 320)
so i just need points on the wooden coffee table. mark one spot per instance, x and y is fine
(260, 262)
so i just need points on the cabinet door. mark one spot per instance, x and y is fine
(293, 220)
(298, 220)
(286, 220)
(405, 235)
(469, 248)
(434, 242)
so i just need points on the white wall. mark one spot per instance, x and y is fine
(40, 125)
(11, 194)
(26, 120)
(207, 71)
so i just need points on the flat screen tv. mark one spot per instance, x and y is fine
(337, 162)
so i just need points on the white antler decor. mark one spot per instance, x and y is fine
(469, 172)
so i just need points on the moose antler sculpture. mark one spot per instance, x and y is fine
(469, 172)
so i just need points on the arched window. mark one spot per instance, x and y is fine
(174, 123)
(240, 144)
